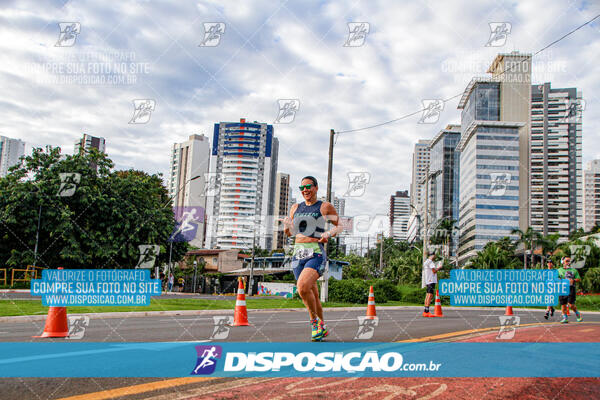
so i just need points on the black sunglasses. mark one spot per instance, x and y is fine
(302, 187)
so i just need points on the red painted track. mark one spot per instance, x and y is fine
(571, 332)
(415, 388)
(434, 388)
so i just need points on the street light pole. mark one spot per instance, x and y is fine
(195, 268)
(251, 280)
(425, 233)
(37, 236)
(166, 204)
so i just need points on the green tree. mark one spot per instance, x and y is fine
(100, 225)
(529, 239)
(493, 256)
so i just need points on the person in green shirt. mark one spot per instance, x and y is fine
(566, 272)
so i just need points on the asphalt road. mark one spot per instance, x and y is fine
(393, 325)
(274, 326)
(24, 295)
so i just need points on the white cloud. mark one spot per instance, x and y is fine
(269, 51)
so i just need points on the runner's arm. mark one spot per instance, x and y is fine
(328, 211)
(287, 222)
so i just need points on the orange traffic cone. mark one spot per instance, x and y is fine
(57, 324)
(371, 313)
(509, 311)
(437, 311)
(240, 318)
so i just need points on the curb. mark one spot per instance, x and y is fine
(141, 314)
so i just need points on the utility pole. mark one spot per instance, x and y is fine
(381, 254)
(325, 285)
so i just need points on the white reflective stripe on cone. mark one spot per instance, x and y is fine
(240, 291)
(371, 303)
(240, 303)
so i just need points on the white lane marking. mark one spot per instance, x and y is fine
(326, 321)
(185, 319)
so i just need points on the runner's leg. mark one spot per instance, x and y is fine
(307, 279)
(319, 307)
(428, 297)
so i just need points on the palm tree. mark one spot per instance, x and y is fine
(443, 232)
(493, 256)
(549, 244)
(529, 238)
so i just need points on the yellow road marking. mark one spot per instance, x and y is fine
(136, 389)
(471, 331)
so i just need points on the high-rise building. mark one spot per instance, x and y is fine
(339, 203)
(399, 215)
(444, 170)
(591, 203)
(282, 207)
(492, 159)
(420, 164)
(187, 180)
(415, 224)
(513, 72)
(10, 152)
(88, 141)
(244, 159)
(556, 160)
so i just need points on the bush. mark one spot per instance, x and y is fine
(416, 294)
(385, 290)
(412, 294)
(591, 280)
(349, 291)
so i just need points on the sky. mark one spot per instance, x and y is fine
(57, 87)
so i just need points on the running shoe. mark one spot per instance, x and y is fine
(324, 328)
(546, 315)
(564, 320)
(579, 318)
(317, 331)
(427, 314)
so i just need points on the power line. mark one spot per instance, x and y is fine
(460, 94)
